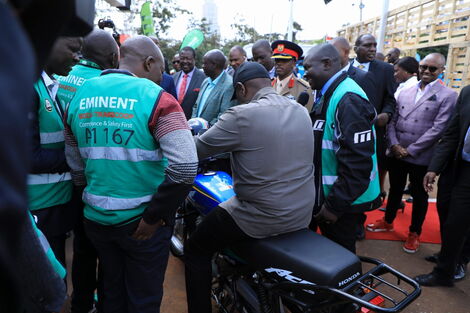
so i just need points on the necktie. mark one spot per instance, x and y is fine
(182, 90)
(318, 98)
(361, 67)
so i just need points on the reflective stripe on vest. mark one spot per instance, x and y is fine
(113, 204)
(124, 165)
(41, 179)
(47, 138)
(120, 154)
(50, 189)
(58, 268)
(330, 145)
(328, 180)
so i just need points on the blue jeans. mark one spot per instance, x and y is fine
(132, 270)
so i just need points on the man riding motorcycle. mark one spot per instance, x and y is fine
(273, 192)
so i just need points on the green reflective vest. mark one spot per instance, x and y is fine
(58, 268)
(330, 145)
(124, 165)
(79, 74)
(50, 189)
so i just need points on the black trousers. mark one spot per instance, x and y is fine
(84, 274)
(444, 195)
(398, 173)
(216, 231)
(343, 232)
(457, 226)
(132, 270)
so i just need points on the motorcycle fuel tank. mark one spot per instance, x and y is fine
(210, 189)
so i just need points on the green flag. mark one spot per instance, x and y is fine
(148, 28)
(193, 39)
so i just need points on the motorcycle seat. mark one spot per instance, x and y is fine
(302, 256)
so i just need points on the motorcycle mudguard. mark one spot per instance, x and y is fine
(210, 189)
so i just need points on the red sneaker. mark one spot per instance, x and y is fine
(412, 243)
(379, 226)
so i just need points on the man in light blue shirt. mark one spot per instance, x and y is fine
(216, 92)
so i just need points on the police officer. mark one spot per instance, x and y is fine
(129, 142)
(99, 51)
(49, 182)
(285, 55)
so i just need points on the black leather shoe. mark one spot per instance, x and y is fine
(432, 258)
(460, 271)
(433, 280)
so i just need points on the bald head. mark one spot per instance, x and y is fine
(393, 55)
(142, 57)
(437, 58)
(217, 57)
(100, 47)
(262, 43)
(343, 47)
(430, 68)
(321, 63)
(213, 63)
(262, 54)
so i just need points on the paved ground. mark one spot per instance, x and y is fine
(432, 300)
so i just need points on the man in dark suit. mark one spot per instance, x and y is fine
(383, 97)
(362, 78)
(188, 81)
(455, 145)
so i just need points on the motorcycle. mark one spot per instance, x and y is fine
(297, 272)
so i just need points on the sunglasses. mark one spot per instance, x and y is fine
(176, 62)
(431, 69)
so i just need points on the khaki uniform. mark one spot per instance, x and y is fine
(294, 88)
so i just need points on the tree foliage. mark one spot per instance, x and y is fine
(164, 11)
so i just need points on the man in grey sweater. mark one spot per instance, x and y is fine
(271, 141)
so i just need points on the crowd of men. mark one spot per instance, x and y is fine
(113, 157)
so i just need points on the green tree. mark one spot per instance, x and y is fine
(164, 12)
(211, 39)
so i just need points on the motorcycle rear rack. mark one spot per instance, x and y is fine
(368, 282)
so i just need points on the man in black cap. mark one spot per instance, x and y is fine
(273, 194)
(285, 55)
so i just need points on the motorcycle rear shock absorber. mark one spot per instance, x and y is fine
(263, 297)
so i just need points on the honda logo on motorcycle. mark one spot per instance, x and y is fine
(349, 279)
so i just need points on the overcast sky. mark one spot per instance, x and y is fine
(316, 18)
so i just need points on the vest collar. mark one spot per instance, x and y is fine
(89, 63)
(116, 71)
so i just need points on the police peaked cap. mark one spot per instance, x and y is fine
(284, 49)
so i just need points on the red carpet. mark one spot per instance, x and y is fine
(430, 233)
